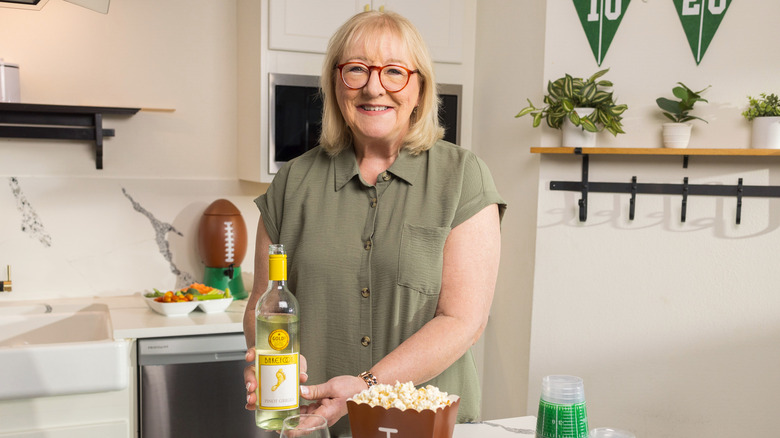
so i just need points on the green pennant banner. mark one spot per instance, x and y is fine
(600, 20)
(700, 20)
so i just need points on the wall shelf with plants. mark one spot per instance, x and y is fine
(581, 108)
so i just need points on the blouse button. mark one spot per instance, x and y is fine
(367, 245)
(373, 202)
(385, 176)
(365, 292)
(365, 341)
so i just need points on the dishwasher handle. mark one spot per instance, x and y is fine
(191, 349)
(171, 359)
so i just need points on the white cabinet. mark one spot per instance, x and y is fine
(94, 415)
(97, 415)
(307, 25)
(441, 23)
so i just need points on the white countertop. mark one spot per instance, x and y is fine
(517, 427)
(132, 318)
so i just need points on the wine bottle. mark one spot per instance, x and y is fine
(277, 346)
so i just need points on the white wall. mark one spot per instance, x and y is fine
(173, 54)
(510, 51)
(673, 326)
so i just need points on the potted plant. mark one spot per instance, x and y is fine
(580, 108)
(677, 134)
(765, 115)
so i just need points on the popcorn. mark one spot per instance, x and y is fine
(421, 413)
(403, 396)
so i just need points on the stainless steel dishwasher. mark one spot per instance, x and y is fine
(193, 386)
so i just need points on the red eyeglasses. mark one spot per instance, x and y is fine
(393, 77)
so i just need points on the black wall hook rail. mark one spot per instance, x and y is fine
(685, 189)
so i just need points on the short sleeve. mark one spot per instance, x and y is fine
(477, 192)
(271, 204)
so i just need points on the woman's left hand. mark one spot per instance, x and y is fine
(250, 380)
(331, 397)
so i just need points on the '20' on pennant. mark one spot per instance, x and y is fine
(700, 20)
(600, 20)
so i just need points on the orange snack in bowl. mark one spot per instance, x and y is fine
(201, 288)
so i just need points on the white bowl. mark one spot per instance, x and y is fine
(171, 309)
(214, 306)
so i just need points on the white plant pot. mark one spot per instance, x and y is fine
(766, 133)
(576, 137)
(677, 135)
(9, 82)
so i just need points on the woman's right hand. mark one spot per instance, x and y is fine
(250, 378)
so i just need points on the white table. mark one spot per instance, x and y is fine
(518, 427)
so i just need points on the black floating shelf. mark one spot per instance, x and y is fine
(59, 122)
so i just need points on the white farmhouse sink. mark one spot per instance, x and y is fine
(59, 349)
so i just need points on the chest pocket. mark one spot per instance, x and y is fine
(421, 256)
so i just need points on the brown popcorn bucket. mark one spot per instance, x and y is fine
(378, 422)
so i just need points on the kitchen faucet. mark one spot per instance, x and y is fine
(5, 286)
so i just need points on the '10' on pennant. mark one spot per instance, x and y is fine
(600, 20)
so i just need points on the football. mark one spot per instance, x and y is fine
(222, 237)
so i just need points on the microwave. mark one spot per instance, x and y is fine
(295, 116)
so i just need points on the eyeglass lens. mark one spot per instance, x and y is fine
(356, 75)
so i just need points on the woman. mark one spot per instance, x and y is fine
(392, 234)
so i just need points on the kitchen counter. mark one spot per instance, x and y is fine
(133, 319)
(517, 427)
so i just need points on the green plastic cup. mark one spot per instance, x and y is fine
(562, 412)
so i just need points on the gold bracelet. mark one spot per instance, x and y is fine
(368, 378)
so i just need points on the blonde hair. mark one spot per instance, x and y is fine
(424, 128)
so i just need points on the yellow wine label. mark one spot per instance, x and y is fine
(279, 339)
(278, 381)
(277, 359)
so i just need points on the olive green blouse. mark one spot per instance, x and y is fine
(365, 262)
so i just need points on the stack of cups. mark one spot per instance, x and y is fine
(562, 411)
